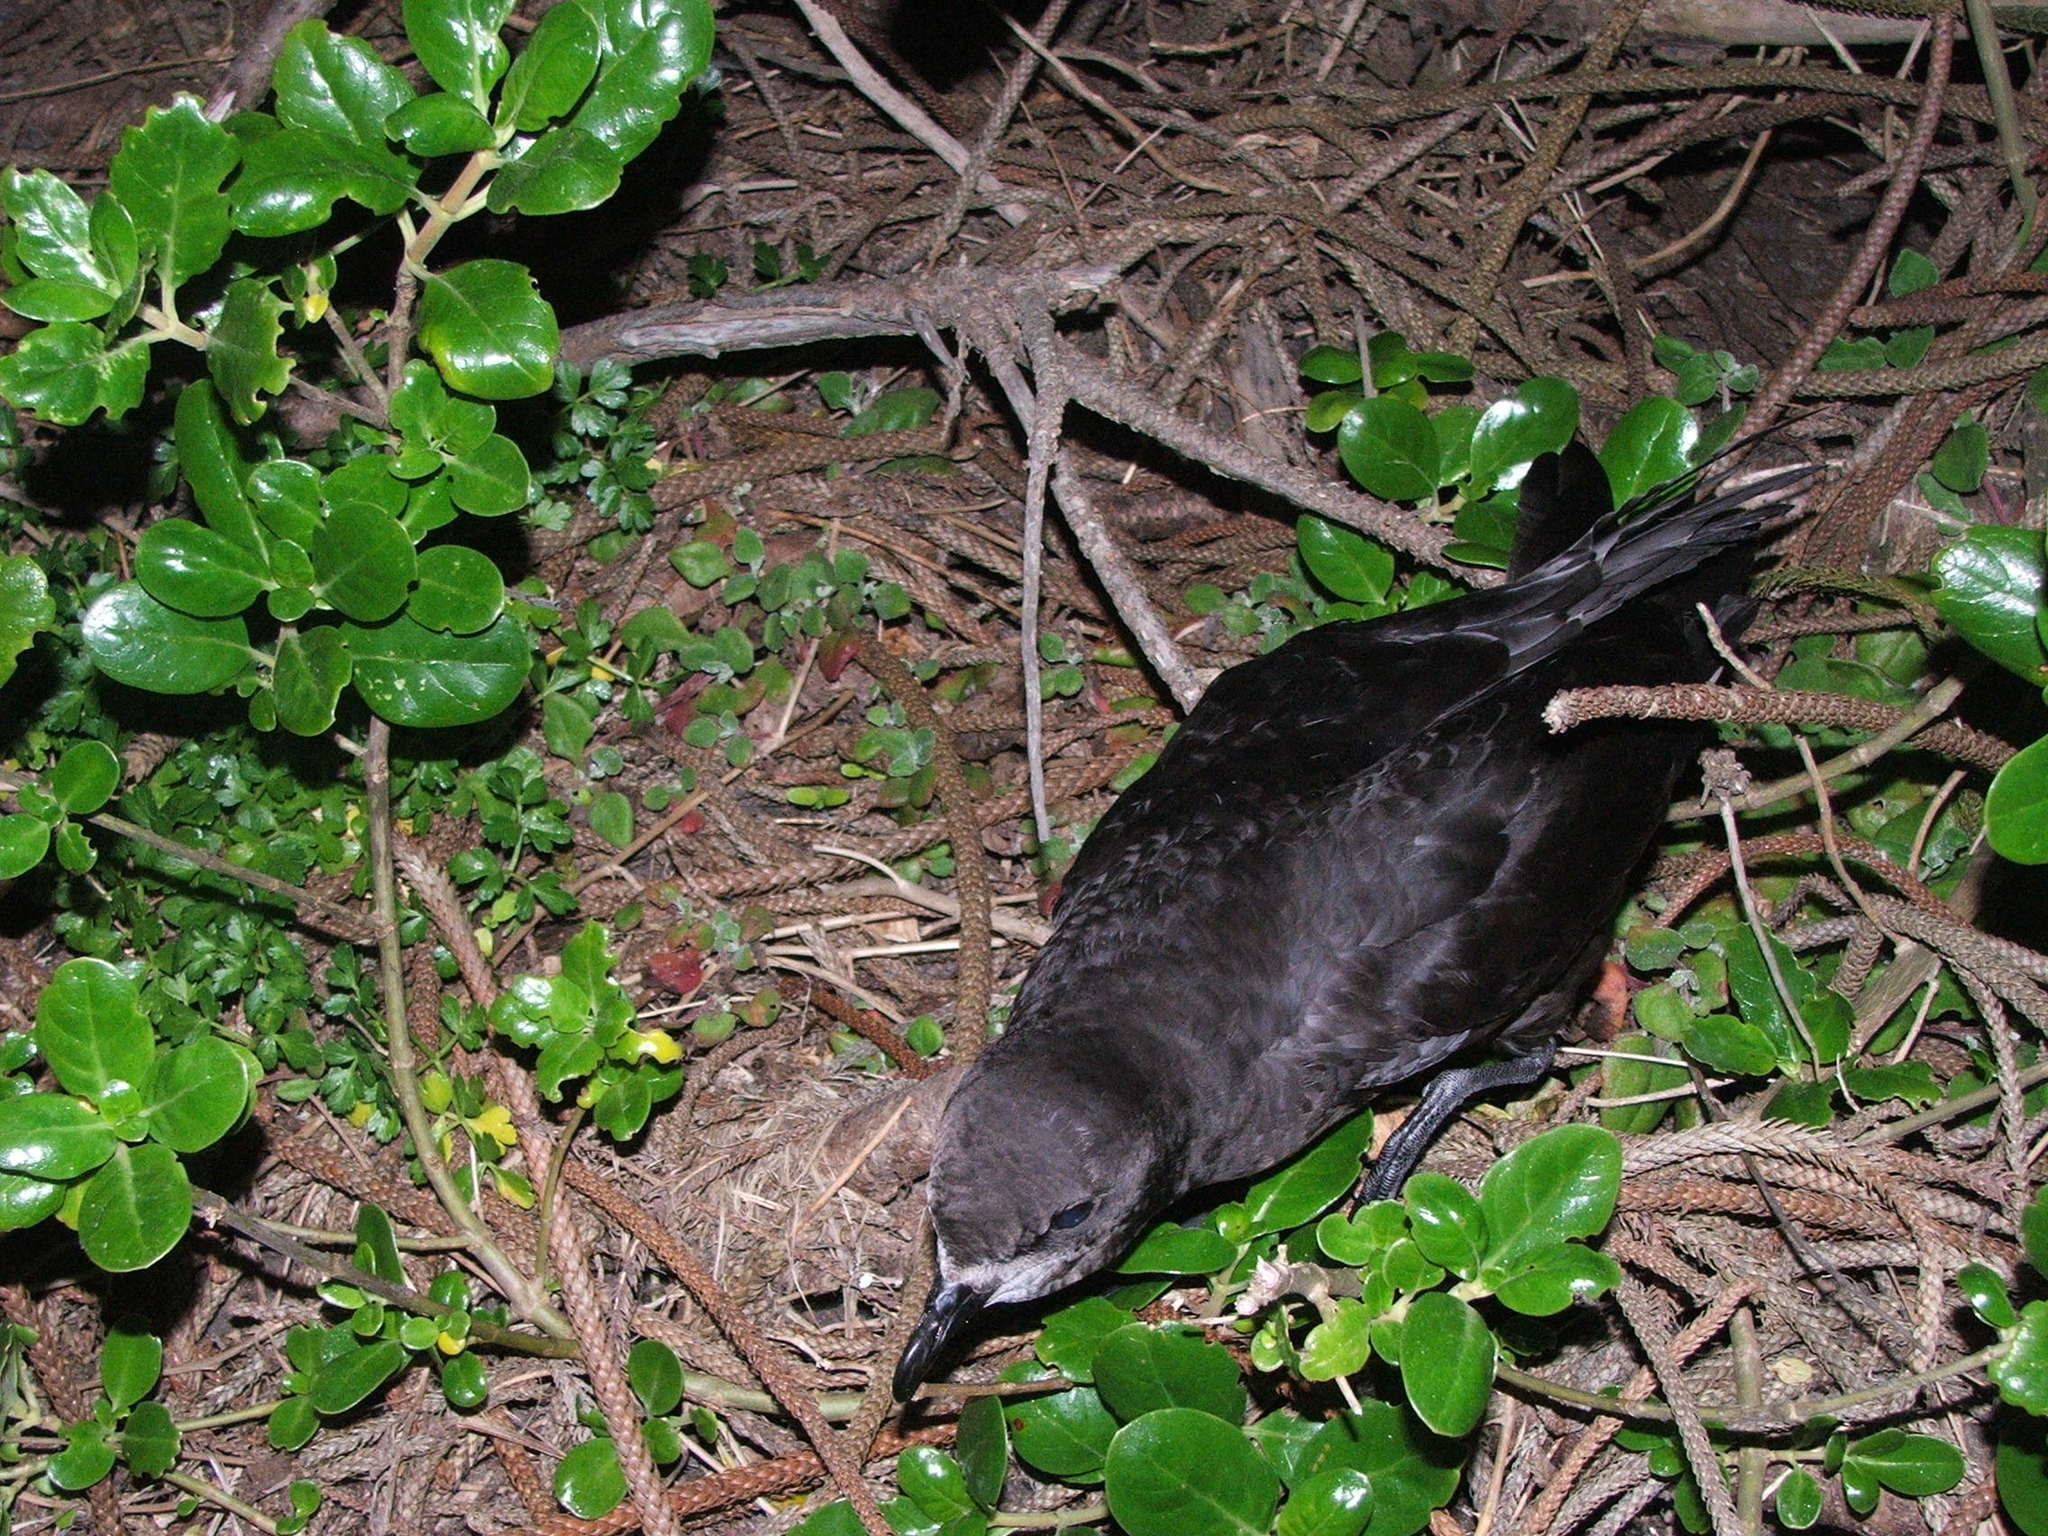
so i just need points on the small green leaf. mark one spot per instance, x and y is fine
(1539, 418)
(199, 1092)
(1910, 273)
(656, 1375)
(1180, 1472)
(1316, 1178)
(1650, 445)
(460, 590)
(1960, 462)
(25, 1201)
(210, 456)
(1991, 592)
(641, 88)
(168, 175)
(1558, 1185)
(1330, 365)
(2021, 1472)
(488, 329)
(1171, 1249)
(491, 479)
(415, 676)
(1728, 1044)
(241, 349)
(24, 840)
(25, 609)
(2021, 1372)
(1986, 1294)
(198, 571)
(2016, 808)
(1349, 565)
(1337, 1502)
(1071, 1336)
(1389, 448)
(90, 1029)
(346, 1379)
(1411, 1471)
(1067, 1434)
(131, 1363)
(65, 372)
(336, 85)
(310, 670)
(1140, 1368)
(85, 777)
(439, 124)
(1551, 1279)
(983, 1446)
(565, 170)
(1447, 1362)
(554, 69)
(458, 44)
(1340, 1344)
(150, 1440)
(1446, 1222)
(1912, 1464)
(290, 180)
(933, 1482)
(1799, 1500)
(135, 1208)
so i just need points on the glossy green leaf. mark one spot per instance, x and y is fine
(1960, 462)
(285, 495)
(291, 179)
(458, 43)
(1389, 448)
(416, 676)
(465, 1381)
(49, 1136)
(1316, 1178)
(1330, 365)
(2016, 808)
(440, 124)
(1363, 1238)
(2021, 1372)
(135, 639)
(2021, 1471)
(1447, 1361)
(131, 1363)
(1340, 1344)
(90, 1029)
(491, 479)
(1799, 1500)
(1558, 1185)
(1551, 1279)
(488, 329)
(1651, 444)
(1066, 1434)
(196, 570)
(983, 1446)
(1985, 1291)
(310, 670)
(25, 609)
(150, 1440)
(641, 89)
(168, 174)
(85, 1459)
(1171, 1249)
(210, 457)
(346, 1379)
(52, 237)
(85, 777)
(241, 349)
(553, 70)
(1348, 564)
(1071, 1336)
(336, 85)
(197, 1094)
(1633, 1071)
(1336, 1503)
(564, 171)
(1140, 1368)
(459, 590)
(1991, 592)
(135, 1208)
(1180, 1472)
(1539, 418)
(898, 410)
(75, 851)
(1726, 1044)
(25, 1201)
(291, 1424)
(2034, 1231)
(363, 562)
(1411, 1470)
(24, 841)
(1446, 1223)
(1326, 411)
(1912, 1464)
(933, 1482)
(655, 1374)
(65, 372)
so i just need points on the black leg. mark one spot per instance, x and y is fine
(1447, 1093)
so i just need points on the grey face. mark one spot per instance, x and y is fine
(1040, 1178)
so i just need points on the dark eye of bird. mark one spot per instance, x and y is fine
(1073, 1216)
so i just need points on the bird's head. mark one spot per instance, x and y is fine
(1044, 1172)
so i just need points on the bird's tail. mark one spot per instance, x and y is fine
(1653, 540)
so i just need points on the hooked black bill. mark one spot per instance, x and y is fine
(951, 1305)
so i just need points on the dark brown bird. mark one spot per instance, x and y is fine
(1363, 860)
